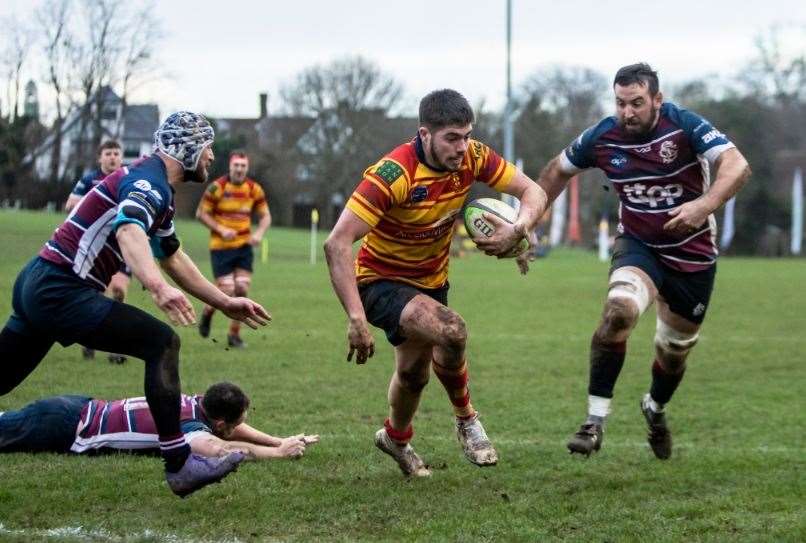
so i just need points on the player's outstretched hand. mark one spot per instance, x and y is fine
(310, 440)
(527, 256)
(248, 312)
(361, 342)
(292, 447)
(503, 239)
(175, 304)
(688, 218)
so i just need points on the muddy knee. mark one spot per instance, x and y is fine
(454, 329)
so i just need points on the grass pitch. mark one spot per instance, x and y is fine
(737, 471)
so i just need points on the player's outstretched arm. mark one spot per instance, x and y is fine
(339, 253)
(133, 244)
(553, 180)
(181, 269)
(732, 172)
(244, 432)
(211, 445)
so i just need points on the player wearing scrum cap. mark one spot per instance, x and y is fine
(58, 296)
(657, 157)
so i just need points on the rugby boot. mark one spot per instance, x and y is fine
(587, 440)
(204, 325)
(235, 342)
(409, 462)
(116, 358)
(88, 354)
(659, 436)
(475, 443)
(200, 471)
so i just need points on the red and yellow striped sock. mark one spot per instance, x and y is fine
(455, 382)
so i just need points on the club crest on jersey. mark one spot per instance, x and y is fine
(668, 151)
(619, 161)
(419, 194)
(389, 171)
(699, 310)
(143, 185)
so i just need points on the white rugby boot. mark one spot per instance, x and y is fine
(475, 443)
(410, 463)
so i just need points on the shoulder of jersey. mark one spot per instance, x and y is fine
(401, 161)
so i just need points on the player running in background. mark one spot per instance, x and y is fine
(404, 208)
(226, 209)
(58, 296)
(110, 158)
(658, 157)
(214, 426)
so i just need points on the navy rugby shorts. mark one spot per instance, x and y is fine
(47, 425)
(52, 302)
(226, 261)
(687, 293)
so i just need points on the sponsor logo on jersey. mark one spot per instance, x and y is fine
(143, 185)
(698, 310)
(668, 151)
(712, 135)
(419, 194)
(155, 194)
(653, 195)
(619, 161)
(642, 150)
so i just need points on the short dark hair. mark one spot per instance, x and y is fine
(445, 107)
(238, 153)
(641, 73)
(225, 401)
(108, 144)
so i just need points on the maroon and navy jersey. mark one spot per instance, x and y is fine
(86, 241)
(88, 182)
(128, 425)
(654, 175)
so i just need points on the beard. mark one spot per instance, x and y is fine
(440, 164)
(199, 175)
(640, 130)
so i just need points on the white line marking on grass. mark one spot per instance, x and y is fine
(84, 534)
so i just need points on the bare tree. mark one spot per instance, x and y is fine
(774, 72)
(141, 32)
(17, 47)
(350, 98)
(53, 19)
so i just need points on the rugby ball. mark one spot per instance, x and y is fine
(477, 226)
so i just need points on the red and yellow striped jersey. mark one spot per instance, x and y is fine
(411, 209)
(232, 206)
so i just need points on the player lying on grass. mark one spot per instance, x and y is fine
(214, 426)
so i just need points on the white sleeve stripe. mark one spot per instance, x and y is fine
(713, 153)
(567, 166)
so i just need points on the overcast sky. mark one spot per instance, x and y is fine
(220, 55)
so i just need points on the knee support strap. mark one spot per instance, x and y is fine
(626, 283)
(673, 341)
